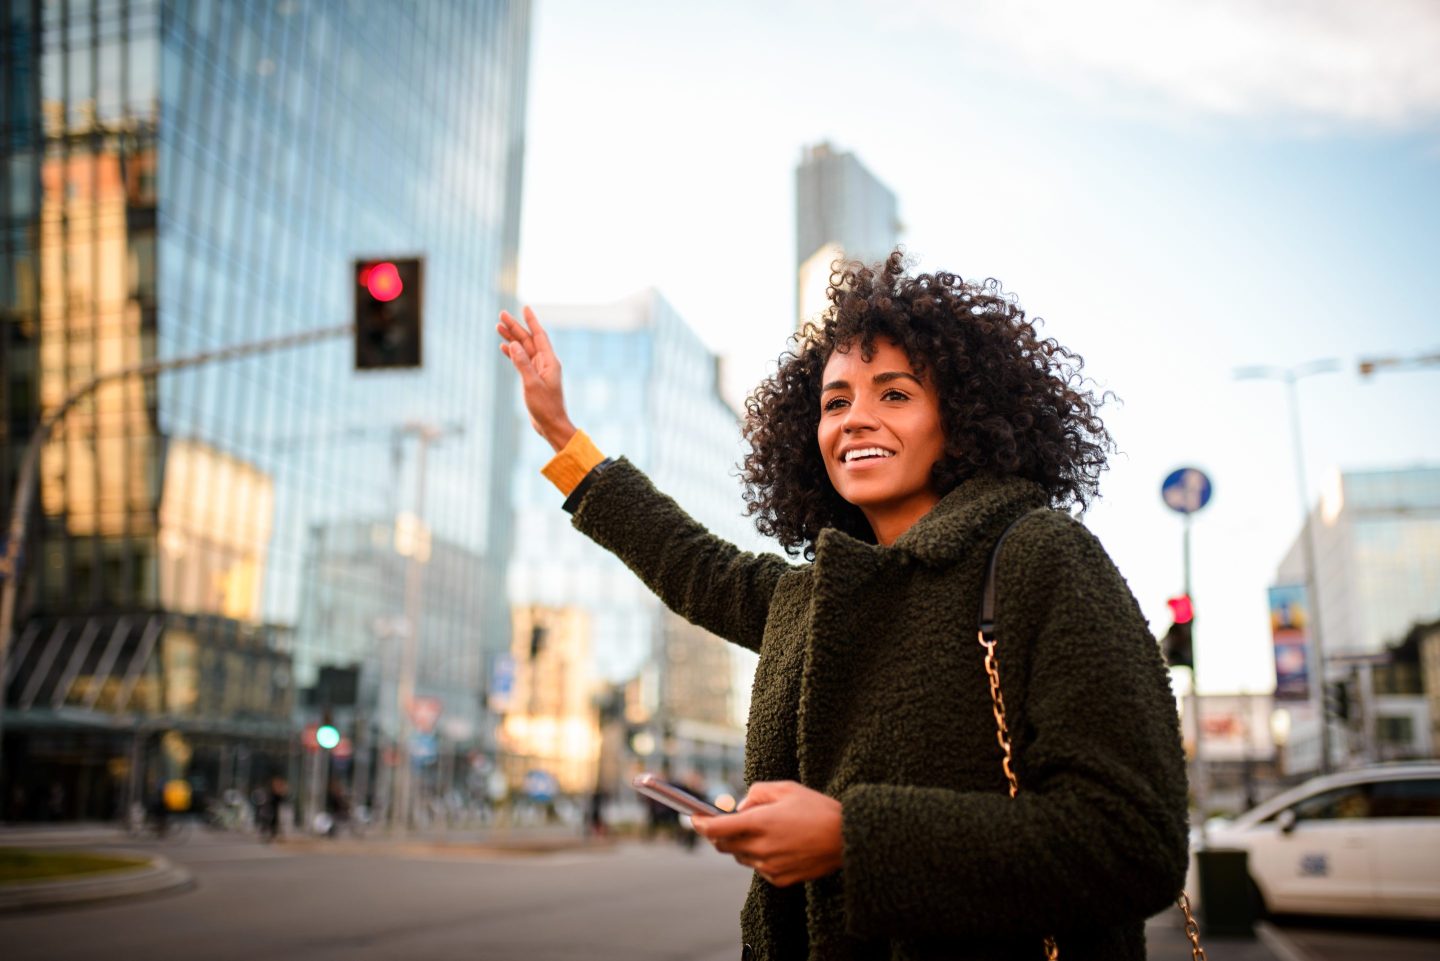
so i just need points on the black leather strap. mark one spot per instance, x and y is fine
(572, 503)
(987, 599)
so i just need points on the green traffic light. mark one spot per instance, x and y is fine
(327, 736)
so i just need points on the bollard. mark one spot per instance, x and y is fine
(1227, 902)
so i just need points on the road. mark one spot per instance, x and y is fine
(1326, 940)
(361, 900)
(633, 901)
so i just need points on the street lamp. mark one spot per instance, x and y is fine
(1290, 376)
(416, 550)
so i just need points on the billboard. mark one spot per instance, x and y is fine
(1290, 631)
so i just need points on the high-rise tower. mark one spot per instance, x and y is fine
(180, 176)
(841, 211)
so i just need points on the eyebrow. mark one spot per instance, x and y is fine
(883, 378)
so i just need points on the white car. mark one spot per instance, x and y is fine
(1363, 842)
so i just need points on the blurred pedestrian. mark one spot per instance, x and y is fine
(55, 802)
(659, 819)
(695, 784)
(595, 814)
(270, 810)
(903, 434)
(337, 806)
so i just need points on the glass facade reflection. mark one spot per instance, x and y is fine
(1377, 550)
(645, 387)
(180, 176)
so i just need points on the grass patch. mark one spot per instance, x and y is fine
(17, 866)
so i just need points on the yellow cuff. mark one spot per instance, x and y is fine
(576, 459)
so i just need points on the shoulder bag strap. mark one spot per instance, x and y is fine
(988, 640)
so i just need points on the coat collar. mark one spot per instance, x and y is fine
(979, 508)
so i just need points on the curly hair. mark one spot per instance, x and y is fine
(1011, 403)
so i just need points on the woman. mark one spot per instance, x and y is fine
(908, 430)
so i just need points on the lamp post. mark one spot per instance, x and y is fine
(417, 548)
(1290, 376)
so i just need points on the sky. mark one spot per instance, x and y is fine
(1177, 189)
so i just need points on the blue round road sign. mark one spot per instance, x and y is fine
(1186, 490)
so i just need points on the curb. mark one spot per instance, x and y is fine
(159, 876)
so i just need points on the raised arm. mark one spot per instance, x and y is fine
(529, 349)
(703, 578)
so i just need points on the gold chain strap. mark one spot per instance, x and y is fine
(1002, 734)
(1192, 929)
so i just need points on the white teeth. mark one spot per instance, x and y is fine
(860, 452)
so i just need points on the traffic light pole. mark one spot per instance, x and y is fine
(10, 567)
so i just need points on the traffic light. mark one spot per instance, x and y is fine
(1178, 643)
(388, 312)
(327, 735)
(1337, 699)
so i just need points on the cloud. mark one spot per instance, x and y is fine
(1327, 62)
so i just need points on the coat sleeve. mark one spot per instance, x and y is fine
(703, 578)
(1098, 833)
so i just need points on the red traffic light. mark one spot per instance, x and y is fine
(382, 280)
(1181, 611)
(388, 325)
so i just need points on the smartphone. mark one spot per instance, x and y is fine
(654, 786)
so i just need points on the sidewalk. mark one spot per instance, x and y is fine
(521, 839)
(1165, 941)
(68, 832)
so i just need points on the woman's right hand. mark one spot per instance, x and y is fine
(528, 347)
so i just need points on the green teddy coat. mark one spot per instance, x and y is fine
(871, 688)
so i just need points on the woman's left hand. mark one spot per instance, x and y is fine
(784, 830)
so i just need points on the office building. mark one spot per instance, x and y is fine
(181, 176)
(842, 211)
(1377, 557)
(642, 385)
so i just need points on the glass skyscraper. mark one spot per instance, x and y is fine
(643, 386)
(180, 176)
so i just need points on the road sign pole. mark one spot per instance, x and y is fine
(1187, 491)
(1201, 780)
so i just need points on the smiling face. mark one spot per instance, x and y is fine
(880, 434)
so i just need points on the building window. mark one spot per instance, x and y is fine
(1395, 730)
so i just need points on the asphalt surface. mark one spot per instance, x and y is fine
(631, 901)
(362, 900)
(1318, 939)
